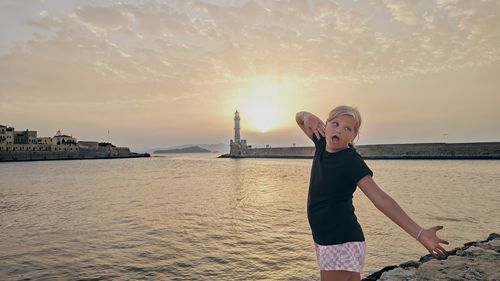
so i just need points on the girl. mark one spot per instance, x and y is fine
(336, 171)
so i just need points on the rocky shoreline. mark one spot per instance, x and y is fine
(478, 260)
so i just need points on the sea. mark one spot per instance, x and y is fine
(198, 217)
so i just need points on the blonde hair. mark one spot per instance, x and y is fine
(346, 110)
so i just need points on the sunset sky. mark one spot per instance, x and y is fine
(164, 73)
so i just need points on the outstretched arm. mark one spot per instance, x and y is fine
(310, 124)
(388, 206)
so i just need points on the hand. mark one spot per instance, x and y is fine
(314, 124)
(431, 242)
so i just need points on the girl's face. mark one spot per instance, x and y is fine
(339, 133)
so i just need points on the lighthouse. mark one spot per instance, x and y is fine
(238, 146)
(237, 127)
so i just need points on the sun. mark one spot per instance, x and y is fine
(264, 107)
(266, 103)
(262, 116)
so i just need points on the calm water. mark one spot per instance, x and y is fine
(195, 217)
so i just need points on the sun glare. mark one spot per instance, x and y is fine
(262, 115)
(264, 107)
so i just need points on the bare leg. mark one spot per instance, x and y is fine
(355, 276)
(339, 275)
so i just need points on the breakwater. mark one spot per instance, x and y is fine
(10, 156)
(478, 150)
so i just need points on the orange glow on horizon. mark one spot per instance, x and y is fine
(267, 103)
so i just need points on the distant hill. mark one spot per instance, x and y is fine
(189, 149)
(220, 147)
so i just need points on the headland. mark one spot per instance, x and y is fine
(189, 149)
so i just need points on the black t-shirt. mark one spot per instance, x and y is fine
(334, 178)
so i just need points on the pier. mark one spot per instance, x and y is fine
(478, 150)
(471, 150)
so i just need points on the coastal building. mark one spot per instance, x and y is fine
(25, 137)
(6, 134)
(91, 145)
(27, 140)
(44, 143)
(25, 145)
(2, 133)
(62, 142)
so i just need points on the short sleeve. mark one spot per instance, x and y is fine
(358, 169)
(319, 143)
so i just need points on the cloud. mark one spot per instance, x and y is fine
(105, 18)
(114, 51)
(46, 22)
(403, 10)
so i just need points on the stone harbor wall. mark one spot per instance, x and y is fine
(474, 261)
(484, 150)
(281, 152)
(119, 152)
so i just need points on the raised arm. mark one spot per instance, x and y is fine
(388, 206)
(310, 124)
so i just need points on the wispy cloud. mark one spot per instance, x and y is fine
(180, 46)
(165, 66)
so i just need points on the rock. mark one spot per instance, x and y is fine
(399, 274)
(478, 251)
(494, 243)
(474, 261)
(493, 236)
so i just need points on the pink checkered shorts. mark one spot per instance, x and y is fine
(349, 256)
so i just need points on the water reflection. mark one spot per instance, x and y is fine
(198, 217)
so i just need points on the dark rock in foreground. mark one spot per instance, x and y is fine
(474, 261)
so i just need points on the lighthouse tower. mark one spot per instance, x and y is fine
(237, 127)
(238, 147)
